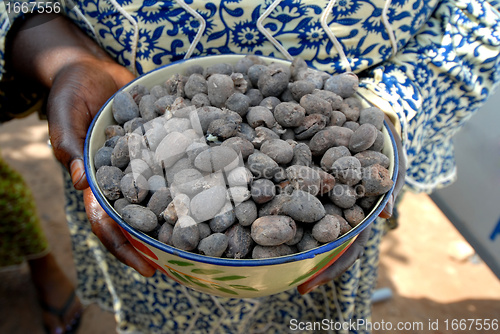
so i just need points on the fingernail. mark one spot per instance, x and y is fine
(304, 292)
(77, 169)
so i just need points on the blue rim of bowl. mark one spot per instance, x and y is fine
(226, 261)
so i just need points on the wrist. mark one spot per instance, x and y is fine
(45, 44)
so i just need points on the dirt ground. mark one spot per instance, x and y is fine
(430, 283)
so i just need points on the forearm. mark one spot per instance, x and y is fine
(44, 44)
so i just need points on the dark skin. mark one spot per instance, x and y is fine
(355, 251)
(71, 66)
(54, 288)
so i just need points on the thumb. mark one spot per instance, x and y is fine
(76, 96)
(111, 236)
(69, 119)
(354, 252)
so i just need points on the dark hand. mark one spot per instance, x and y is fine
(75, 98)
(80, 78)
(110, 234)
(356, 250)
(400, 180)
(78, 92)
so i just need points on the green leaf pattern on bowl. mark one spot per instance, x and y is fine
(181, 263)
(206, 271)
(207, 284)
(322, 263)
(211, 284)
(229, 278)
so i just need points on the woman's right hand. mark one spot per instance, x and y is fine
(80, 78)
(76, 96)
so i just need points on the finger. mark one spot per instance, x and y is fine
(73, 102)
(343, 263)
(400, 178)
(111, 236)
(78, 175)
(387, 211)
(69, 119)
(348, 258)
(70, 108)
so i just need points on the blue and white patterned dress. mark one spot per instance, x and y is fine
(428, 64)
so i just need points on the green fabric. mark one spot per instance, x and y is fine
(21, 234)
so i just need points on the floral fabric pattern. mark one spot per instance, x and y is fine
(159, 305)
(428, 64)
(166, 29)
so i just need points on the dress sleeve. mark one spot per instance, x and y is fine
(436, 83)
(7, 19)
(18, 97)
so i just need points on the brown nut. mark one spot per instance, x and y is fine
(372, 115)
(278, 150)
(304, 178)
(262, 166)
(217, 158)
(301, 155)
(313, 104)
(240, 242)
(239, 145)
(109, 178)
(329, 137)
(310, 125)
(289, 114)
(307, 242)
(260, 116)
(219, 87)
(343, 195)
(262, 191)
(140, 218)
(186, 234)
(246, 213)
(368, 158)
(332, 155)
(264, 252)
(214, 245)
(354, 215)
(303, 207)
(327, 229)
(273, 230)
(363, 138)
(376, 180)
(208, 203)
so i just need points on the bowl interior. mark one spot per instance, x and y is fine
(96, 138)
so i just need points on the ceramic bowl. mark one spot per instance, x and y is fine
(240, 278)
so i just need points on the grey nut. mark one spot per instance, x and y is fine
(214, 245)
(186, 234)
(108, 178)
(140, 217)
(273, 230)
(303, 207)
(124, 107)
(208, 203)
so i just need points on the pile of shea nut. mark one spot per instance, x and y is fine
(252, 160)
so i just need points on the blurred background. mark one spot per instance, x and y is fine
(428, 268)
